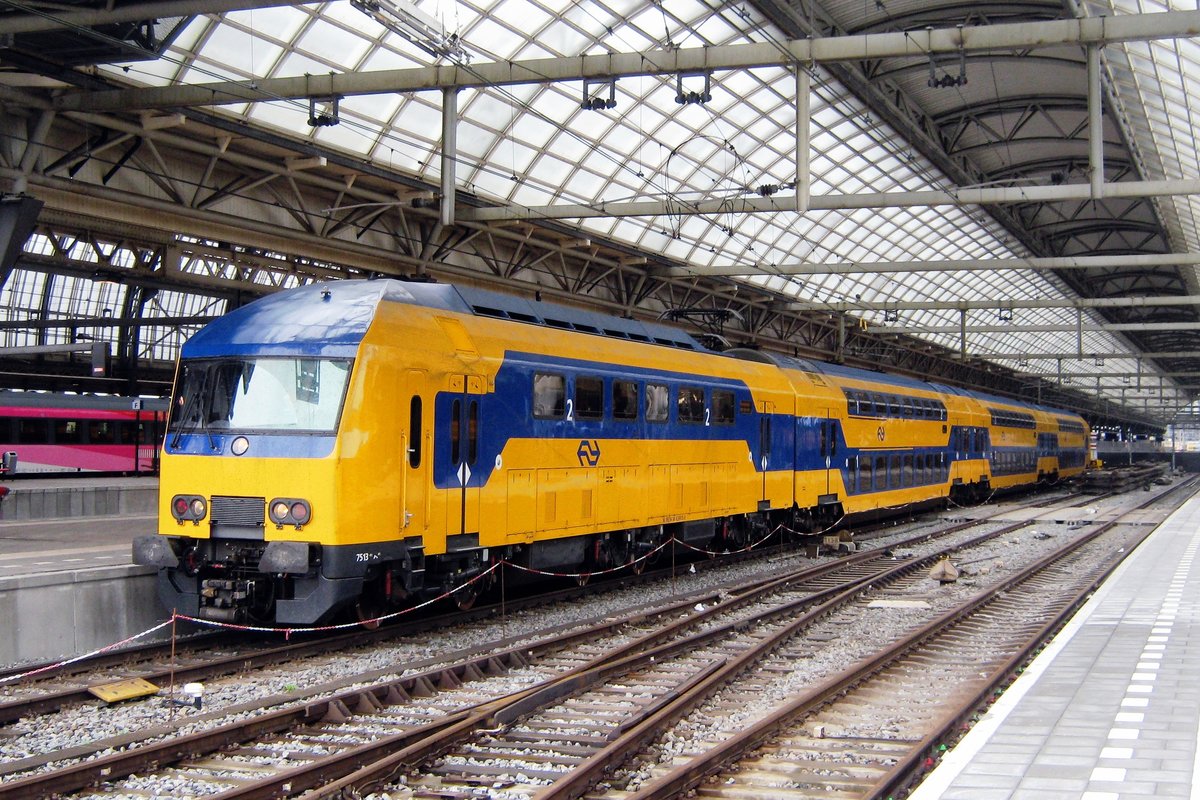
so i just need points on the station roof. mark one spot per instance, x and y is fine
(1096, 292)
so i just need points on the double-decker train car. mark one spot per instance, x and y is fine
(358, 443)
(43, 433)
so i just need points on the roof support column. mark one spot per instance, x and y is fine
(1095, 123)
(962, 334)
(803, 134)
(1079, 332)
(839, 357)
(33, 150)
(449, 152)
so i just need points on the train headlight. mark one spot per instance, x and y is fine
(279, 511)
(185, 507)
(290, 511)
(300, 512)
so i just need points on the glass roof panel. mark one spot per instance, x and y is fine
(652, 148)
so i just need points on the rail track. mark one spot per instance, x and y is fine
(207, 657)
(867, 731)
(497, 711)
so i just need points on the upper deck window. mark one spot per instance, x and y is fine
(549, 396)
(589, 397)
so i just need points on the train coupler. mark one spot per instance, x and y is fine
(226, 599)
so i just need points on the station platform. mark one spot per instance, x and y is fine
(67, 583)
(80, 496)
(1110, 710)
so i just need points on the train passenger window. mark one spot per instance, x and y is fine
(589, 397)
(657, 402)
(906, 408)
(722, 405)
(414, 431)
(66, 430)
(881, 477)
(893, 406)
(864, 473)
(101, 432)
(894, 472)
(549, 397)
(690, 400)
(908, 469)
(473, 432)
(624, 400)
(129, 432)
(878, 405)
(455, 432)
(33, 431)
(851, 403)
(851, 474)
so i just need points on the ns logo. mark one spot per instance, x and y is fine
(588, 452)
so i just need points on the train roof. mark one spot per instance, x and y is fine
(884, 378)
(331, 319)
(1008, 401)
(833, 370)
(78, 401)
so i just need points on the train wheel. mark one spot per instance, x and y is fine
(368, 615)
(465, 597)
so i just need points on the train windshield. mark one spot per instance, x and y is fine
(260, 394)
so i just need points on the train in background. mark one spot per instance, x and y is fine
(43, 433)
(358, 444)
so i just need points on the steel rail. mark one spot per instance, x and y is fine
(629, 657)
(137, 760)
(87, 773)
(688, 776)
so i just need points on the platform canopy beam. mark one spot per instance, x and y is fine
(829, 202)
(134, 12)
(966, 265)
(1066, 328)
(848, 306)
(610, 66)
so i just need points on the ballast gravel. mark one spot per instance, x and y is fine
(86, 723)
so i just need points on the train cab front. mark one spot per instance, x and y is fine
(246, 503)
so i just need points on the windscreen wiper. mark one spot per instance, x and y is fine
(190, 407)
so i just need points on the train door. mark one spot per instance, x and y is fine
(415, 441)
(828, 449)
(766, 411)
(465, 423)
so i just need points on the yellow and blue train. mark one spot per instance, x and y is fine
(358, 443)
